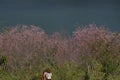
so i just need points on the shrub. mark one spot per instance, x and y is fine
(91, 53)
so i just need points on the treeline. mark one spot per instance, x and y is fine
(91, 53)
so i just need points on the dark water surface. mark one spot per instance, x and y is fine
(60, 15)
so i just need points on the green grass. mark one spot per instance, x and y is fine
(66, 72)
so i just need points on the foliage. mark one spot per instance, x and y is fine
(3, 60)
(91, 53)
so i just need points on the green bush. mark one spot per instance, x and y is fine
(3, 60)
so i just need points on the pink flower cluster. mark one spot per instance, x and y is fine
(22, 44)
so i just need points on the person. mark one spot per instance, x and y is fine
(47, 74)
